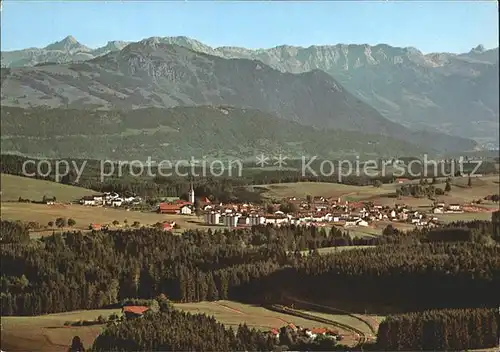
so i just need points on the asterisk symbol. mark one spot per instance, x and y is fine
(262, 160)
(280, 160)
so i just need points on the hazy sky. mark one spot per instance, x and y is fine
(431, 26)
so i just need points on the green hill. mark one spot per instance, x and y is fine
(14, 187)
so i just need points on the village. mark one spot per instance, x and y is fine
(310, 211)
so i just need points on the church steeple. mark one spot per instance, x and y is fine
(191, 193)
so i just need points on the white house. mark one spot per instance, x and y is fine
(454, 207)
(117, 202)
(99, 198)
(438, 210)
(186, 210)
(361, 222)
(275, 220)
(87, 201)
(350, 223)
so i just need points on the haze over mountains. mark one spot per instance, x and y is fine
(326, 87)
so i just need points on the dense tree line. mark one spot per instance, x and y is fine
(442, 330)
(72, 271)
(13, 232)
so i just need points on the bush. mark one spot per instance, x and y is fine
(101, 319)
(60, 222)
(71, 222)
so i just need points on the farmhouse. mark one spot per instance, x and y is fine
(438, 210)
(117, 202)
(168, 226)
(454, 207)
(134, 311)
(49, 201)
(166, 208)
(95, 227)
(88, 200)
(186, 209)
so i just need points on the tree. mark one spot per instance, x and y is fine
(60, 222)
(288, 208)
(71, 222)
(76, 345)
(447, 188)
(159, 225)
(115, 222)
(469, 182)
(136, 224)
(50, 223)
(389, 230)
(270, 209)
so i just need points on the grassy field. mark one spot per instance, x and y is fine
(463, 217)
(460, 193)
(85, 215)
(303, 189)
(346, 319)
(328, 250)
(14, 187)
(48, 333)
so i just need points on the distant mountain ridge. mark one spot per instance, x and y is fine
(422, 91)
(154, 74)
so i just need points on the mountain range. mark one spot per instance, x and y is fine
(325, 87)
(454, 93)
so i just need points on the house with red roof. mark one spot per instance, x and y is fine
(166, 208)
(134, 311)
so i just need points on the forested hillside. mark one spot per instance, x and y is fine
(263, 265)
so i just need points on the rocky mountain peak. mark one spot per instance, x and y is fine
(68, 44)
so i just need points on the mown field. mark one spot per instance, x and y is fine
(324, 189)
(47, 333)
(85, 215)
(14, 187)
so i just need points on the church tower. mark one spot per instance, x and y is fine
(191, 194)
